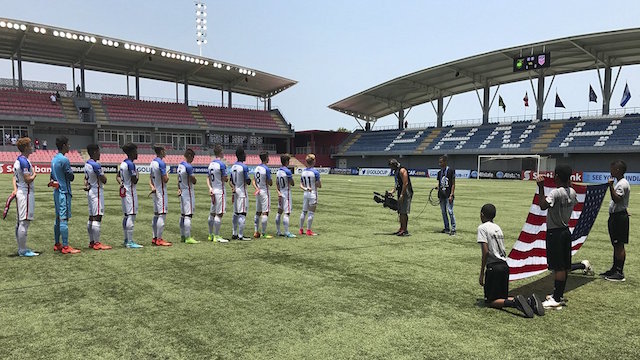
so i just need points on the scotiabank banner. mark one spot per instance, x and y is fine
(577, 176)
(39, 169)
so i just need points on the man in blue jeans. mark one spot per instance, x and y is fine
(446, 188)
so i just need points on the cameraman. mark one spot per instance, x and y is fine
(405, 193)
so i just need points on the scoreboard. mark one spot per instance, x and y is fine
(531, 62)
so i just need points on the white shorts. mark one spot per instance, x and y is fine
(160, 201)
(130, 202)
(240, 204)
(187, 202)
(25, 201)
(95, 198)
(263, 201)
(284, 203)
(309, 199)
(218, 204)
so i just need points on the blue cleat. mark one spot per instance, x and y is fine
(132, 245)
(289, 235)
(28, 253)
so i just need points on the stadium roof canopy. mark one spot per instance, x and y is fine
(64, 47)
(570, 54)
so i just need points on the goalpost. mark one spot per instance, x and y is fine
(511, 162)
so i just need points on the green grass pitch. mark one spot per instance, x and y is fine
(351, 292)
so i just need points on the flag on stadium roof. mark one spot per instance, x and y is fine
(626, 96)
(501, 103)
(559, 102)
(526, 99)
(592, 95)
(528, 255)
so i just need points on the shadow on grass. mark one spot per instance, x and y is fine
(544, 285)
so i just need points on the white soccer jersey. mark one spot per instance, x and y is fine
(308, 180)
(239, 176)
(160, 197)
(217, 172)
(282, 182)
(128, 193)
(95, 195)
(25, 196)
(187, 193)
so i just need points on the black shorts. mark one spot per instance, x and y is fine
(496, 281)
(618, 225)
(559, 249)
(404, 206)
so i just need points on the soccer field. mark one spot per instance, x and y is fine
(352, 292)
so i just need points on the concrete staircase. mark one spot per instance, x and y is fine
(197, 116)
(546, 137)
(350, 141)
(69, 109)
(99, 113)
(427, 141)
(279, 119)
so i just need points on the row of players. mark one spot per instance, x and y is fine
(127, 177)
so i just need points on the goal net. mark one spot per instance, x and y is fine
(510, 163)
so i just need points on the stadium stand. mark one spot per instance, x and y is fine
(28, 103)
(226, 117)
(40, 156)
(130, 110)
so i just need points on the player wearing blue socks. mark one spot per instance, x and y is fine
(62, 175)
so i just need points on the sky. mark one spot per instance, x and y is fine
(335, 49)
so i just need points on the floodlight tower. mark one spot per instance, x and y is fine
(201, 23)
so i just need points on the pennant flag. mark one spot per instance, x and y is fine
(528, 256)
(592, 95)
(559, 102)
(626, 96)
(7, 205)
(526, 99)
(501, 104)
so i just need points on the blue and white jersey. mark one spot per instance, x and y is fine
(185, 170)
(92, 173)
(128, 171)
(22, 167)
(309, 177)
(282, 180)
(217, 171)
(62, 173)
(262, 175)
(239, 177)
(158, 170)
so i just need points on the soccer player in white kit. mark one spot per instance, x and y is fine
(158, 178)
(23, 189)
(186, 180)
(216, 179)
(284, 182)
(261, 182)
(309, 183)
(239, 181)
(94, 180)
(128, 179)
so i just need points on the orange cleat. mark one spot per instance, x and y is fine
(69, 250)
(162, 242)
(311, 233)
(301, 231)
(154, 241)
(99, 246)
(256, 235)
(57, 247)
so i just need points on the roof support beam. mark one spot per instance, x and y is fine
(391, 102)
(478, 79)
(594, 54)
(84, 53)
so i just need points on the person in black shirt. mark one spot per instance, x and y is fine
(405, 193)
(446, 188)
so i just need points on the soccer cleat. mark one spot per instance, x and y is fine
(132, 245)
(444, 231)
(211, 237)
(244, 238)
(403, 233)
(301, 231)
(588, 269)
(256, 235)
(279, 234)
(266, 236)
(608, 273)
(551, 303)
(234, 237)
(162, 242)
(57, 247)
(69, 250)
(563, 300)
(523, 305)
(191, 240)
(28, 253)
(99, 246)
(289, 235)
(536, 305)
(452, 233)
(220, 239)
(311, 233)
(616, 276)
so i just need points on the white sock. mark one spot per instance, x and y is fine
(285, 222)
(182, 226)
(160, 225)
(242, 220)
(154, 226)
(255, 223)
(278, 217)
(310, 220)
(187, 226)
(264, 219)
(217, 222)
(96, 231)
(302, 216)
(211, 223)
(21, 234)
(90, 230)
(234, 221)
(131, 219)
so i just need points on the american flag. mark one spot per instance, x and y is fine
(528, 256)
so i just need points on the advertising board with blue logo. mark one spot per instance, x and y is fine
(603, 177)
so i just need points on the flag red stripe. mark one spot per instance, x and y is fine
(527, 268)
(520, 255)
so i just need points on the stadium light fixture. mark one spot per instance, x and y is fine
(228, 67)
(36, 29)
(23, 27)
(75, 37)
(68, 35)
(3, 24)
(126, 46)
(201, 29)
(104, 41)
